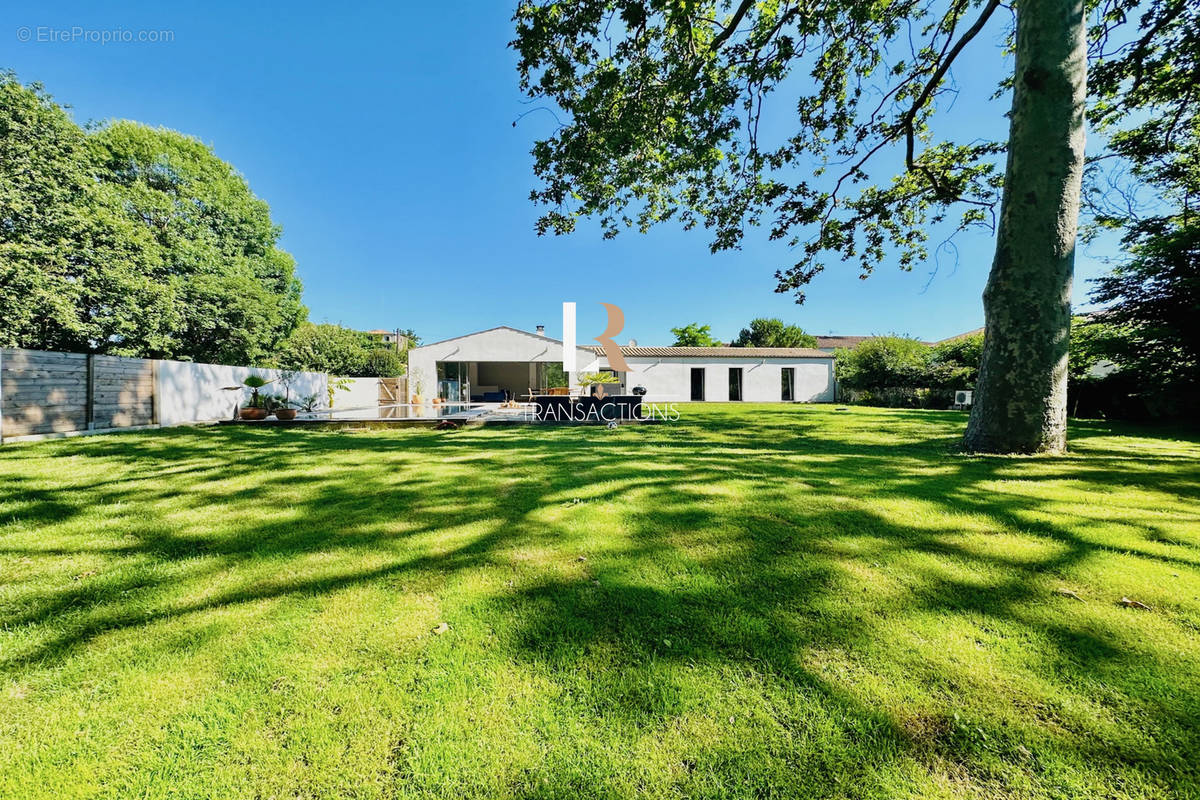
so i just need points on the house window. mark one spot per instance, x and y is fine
(787, 384)
(698, 383)
(735, 383)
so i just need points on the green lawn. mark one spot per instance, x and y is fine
(753, 602)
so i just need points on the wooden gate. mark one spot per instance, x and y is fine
(392, 391)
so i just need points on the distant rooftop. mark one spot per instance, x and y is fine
(718, 352)
(850, 342)
(959, 336)
(841, 341)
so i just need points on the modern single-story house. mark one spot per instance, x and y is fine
(504, 361)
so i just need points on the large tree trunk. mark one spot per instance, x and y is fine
(1021, 398)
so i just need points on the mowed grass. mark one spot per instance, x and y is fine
(754, 602)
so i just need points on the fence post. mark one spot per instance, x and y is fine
(154, 392)
(90, 408)
(1, 395)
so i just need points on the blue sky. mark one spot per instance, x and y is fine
(381, 135)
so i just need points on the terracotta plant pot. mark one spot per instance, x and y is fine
(253, 413)
(285, 414)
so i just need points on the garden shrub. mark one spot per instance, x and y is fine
(880, 362)
(900, 372)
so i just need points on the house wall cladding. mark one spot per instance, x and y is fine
(668, 380)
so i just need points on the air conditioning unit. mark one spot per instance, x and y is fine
(963, 397)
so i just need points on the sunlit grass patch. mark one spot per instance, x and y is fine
(756, 601)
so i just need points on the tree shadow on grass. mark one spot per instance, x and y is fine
(768, 613)
(765, 586)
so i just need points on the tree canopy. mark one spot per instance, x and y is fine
(773, 333)
(694, 335)
(1153, 292)
(234, 294)
(339, 351)
(383, 362)
(962, 351)
(133, 240)
(883, 361)
(74, 270)
(663, 103)
(1156, 295)
(660, 104)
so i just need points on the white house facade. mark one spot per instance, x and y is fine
(507, 363)
(730, 374)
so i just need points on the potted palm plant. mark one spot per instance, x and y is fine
(257, 408)
(594, 382)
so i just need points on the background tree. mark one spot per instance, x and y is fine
(773, 333)
(555, 375)
(383, 362)
(327, 348)
(694, 335)
(904, 372)
(43, 201)
(73, 270)
(660, 107)
(133, 241)
(963, 352)
(1095, 340)
(1156, 296)
(1153, 292)
(411, 337)
(235, 295)
(1146, 186)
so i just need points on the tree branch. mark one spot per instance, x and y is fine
(731, 28)
(931, 85)
(1139, 53)
(909, 116)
